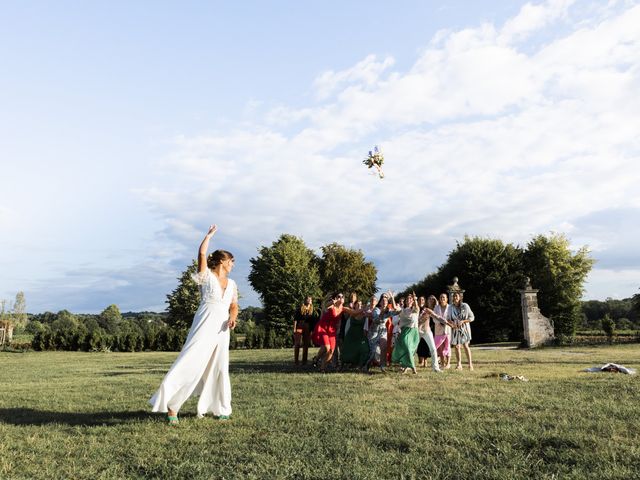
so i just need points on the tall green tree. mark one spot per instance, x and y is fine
(609, 327)
(283, 274)
(490, 272)
(346, 270)
(109, 319)
(5, 315)
(184, 300)
(636, 304)
(20, 310)
(433, 284)
(65, 321)
(559, 275)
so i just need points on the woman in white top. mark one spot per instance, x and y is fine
(202, 368)
(443, 331)
(425, 331)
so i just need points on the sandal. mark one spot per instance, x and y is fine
(172, 419)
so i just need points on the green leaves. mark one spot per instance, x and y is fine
(492, 272)
(184, 300)
(283, 275)
(559, 275)
(346, 270)
(288, 271)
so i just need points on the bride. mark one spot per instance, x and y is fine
(203, 364)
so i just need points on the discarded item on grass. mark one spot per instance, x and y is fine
(507, 378)
(611, 368)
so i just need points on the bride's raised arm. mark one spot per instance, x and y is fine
(204, 248)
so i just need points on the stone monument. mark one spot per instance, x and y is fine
(538, 329)
(451, 289)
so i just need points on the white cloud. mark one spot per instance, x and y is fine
(365, 73)
(533, 17)
(481, 137)
(617, 283)
(8, 218)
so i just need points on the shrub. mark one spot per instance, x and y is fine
(42, 340)
(608, 326)
(34, 327)
(233, 340)
(94, 341)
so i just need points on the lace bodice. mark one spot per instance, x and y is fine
(211, 290)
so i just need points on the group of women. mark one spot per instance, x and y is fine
(385, 332)
(379, 333)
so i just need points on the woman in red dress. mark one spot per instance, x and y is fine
(327, 328)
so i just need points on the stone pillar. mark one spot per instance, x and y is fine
(451, 289)
(538, 330)
(6, 332)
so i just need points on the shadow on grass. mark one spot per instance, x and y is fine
(284, 367)
(234, 367)
(153, 371)
(245, 367)
(29, 416)
(269, 367)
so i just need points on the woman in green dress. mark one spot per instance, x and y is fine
(355, 346)
(409, 338)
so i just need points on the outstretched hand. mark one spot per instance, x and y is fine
(212, 229)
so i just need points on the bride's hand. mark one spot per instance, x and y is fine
(212, 230)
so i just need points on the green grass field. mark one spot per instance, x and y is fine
(84, 415)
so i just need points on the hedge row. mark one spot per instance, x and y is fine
(162, 339)
(165, 339)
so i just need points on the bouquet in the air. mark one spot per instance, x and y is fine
(375, 160)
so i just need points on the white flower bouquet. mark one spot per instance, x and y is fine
(375, 160)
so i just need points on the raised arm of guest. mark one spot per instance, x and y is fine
(393, 301)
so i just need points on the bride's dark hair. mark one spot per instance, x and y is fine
(217, 257)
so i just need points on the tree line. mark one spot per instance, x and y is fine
(109, 330)
(284, 273)
(491, 271)
(625, 313)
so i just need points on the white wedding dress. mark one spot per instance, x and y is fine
(203, 364)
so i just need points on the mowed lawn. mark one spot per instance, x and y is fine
(84, 415)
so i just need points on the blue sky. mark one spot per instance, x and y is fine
(126, 128)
